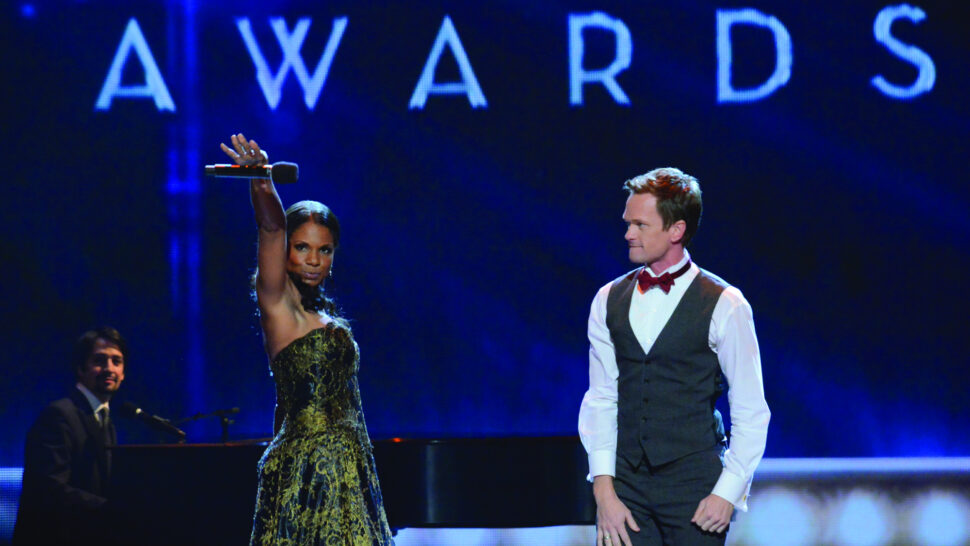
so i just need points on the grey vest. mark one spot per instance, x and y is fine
(666, 398)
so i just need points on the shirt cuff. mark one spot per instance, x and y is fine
(601, 462)
(733, 489)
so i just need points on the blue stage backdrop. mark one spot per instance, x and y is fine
(474, 153)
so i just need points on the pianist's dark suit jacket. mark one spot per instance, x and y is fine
(66, 474)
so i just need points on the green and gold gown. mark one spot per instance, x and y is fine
(317, 479)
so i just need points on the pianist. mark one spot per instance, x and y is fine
(66, 463)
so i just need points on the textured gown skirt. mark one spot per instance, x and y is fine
(317, 479)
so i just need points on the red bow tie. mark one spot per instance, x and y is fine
(646, 281)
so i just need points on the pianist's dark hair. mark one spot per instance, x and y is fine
(85, 344)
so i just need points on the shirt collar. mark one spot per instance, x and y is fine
(671, 269)
(91, 398)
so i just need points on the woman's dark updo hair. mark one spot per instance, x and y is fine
(313, 298)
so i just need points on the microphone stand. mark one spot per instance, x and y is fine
(222, 414)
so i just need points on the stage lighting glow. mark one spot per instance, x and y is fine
(441, 537)
(564, 535)
(10, 479)
(862, 519)
(780, 517)
(940, 519)
(561, 535)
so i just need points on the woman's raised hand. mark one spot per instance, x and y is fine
(245, 152)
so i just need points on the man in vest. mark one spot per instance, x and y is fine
(666, 340)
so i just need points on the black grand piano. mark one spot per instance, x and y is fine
(205, 493)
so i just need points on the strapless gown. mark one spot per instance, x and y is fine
(317, 479)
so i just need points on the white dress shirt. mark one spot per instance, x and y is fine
(96, 404)
(731, 337)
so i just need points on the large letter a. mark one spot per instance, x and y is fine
(154, 86)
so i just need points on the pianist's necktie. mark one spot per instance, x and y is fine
(104, 420)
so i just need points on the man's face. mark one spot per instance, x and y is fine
(649, 242)
(104, 370)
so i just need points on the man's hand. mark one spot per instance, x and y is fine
(713, 514)
(612, 516)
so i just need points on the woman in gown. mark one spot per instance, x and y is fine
(317, 479)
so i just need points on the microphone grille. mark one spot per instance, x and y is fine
(284, 172)
(128, 410)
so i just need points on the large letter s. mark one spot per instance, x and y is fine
(927, 70)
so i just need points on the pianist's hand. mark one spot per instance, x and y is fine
(612, 516)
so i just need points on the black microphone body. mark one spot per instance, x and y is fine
(162, 425)
(281, 172)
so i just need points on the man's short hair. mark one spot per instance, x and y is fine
(85, 344)
(678, 196)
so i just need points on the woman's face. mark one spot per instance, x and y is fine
(311, 253)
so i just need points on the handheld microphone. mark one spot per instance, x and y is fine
(162, 425)
(281, 172)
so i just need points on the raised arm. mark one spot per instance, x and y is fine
(270, 218)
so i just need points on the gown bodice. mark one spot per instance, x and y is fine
(316, 378)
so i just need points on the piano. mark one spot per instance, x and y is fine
(205, 493)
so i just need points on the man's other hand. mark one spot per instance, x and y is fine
(713, 514)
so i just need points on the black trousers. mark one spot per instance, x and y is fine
(663, 498)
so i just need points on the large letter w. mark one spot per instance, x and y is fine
(290, 43)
